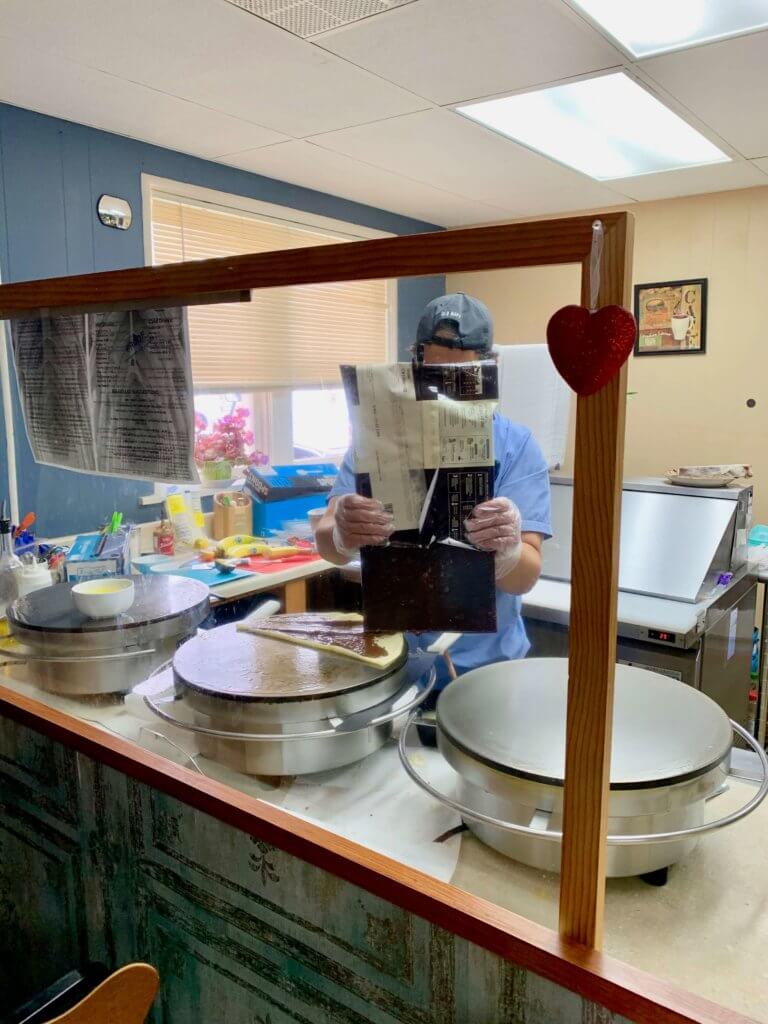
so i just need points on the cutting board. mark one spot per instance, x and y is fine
(205, 573)
(261, 565)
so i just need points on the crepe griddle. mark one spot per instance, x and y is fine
(158, 598)
(237, 666)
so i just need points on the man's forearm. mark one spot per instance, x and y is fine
(526, 573)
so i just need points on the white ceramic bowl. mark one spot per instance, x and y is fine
(103, 598)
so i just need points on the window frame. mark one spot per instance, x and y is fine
(153, 186)
(227, 202)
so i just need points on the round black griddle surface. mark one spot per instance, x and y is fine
(237, 666)
(158, 599)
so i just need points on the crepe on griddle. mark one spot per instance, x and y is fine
(334, 632)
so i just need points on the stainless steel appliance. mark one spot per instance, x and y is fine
(502, 729)
(267, 707)
(686, 606)
(67, 652)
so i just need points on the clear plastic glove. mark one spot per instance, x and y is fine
(496, 526)
(359, 522)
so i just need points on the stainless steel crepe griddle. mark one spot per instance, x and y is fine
(502, 729)
(67, 652)
(270, 707)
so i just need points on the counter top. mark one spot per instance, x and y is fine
(551, 600)
(256, 582)
(701, 930)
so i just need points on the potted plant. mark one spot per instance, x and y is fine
(224, 446)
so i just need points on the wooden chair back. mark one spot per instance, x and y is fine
(123, 998)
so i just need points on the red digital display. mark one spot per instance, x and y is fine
(662, 636)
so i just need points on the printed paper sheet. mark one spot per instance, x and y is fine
(109, 393)
(405, 424)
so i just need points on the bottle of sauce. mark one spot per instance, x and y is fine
(163, 538)
(10, 565)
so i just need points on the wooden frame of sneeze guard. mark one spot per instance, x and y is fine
(598, 458)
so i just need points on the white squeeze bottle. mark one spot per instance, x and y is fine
(10, 565)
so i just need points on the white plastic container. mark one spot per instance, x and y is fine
(33, 576)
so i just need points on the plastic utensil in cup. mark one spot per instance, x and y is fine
(104, 598)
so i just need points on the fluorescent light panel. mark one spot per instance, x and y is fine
(606, 127)
(645, 27)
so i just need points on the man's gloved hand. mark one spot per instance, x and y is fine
(496, 526)
(359, 522)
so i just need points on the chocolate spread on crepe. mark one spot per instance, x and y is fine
(336, 632)
(352, 636)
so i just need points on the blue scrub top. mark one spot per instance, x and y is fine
(521, 476)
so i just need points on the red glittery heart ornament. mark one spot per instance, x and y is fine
(587, 348)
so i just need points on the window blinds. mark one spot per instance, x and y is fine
(285, 337)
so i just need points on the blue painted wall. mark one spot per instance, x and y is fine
(51, 175)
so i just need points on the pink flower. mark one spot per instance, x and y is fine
(227, 439)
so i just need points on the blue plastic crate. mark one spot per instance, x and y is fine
(269, 517)
(290, 492)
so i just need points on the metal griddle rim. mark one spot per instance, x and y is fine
(258, 699)
(114, 624)
(551, 781)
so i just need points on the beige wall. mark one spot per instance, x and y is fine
(688, 409)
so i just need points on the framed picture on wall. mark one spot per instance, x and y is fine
(671, 318)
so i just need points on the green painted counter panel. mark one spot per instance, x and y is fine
(94, 865)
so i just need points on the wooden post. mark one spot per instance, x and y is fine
(598, 469)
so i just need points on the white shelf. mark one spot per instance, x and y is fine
(204, 490)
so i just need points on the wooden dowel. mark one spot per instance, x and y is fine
(598, 467)
(592, 658)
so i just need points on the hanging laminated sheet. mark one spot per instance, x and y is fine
(109, 393)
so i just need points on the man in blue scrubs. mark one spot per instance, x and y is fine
(455, 329)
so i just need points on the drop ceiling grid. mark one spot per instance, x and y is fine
(41, 81)
(446, 150)
(725, 84)
(391, 48)
(235, 63)
(436, 49)
(307, 18)
(303, 163)
(234, 86)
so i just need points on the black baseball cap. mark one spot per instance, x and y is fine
(469, 321)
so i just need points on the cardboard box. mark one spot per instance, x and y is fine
(86, 562)
(285, 493)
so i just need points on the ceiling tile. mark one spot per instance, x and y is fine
(691, 181)
(214, 54)
(313, 167)
(307, 18)
(449, 152)
(52, 85)
(441, 50)
(725, 85)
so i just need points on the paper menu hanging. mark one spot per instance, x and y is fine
(51, 359)
(109, 393)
